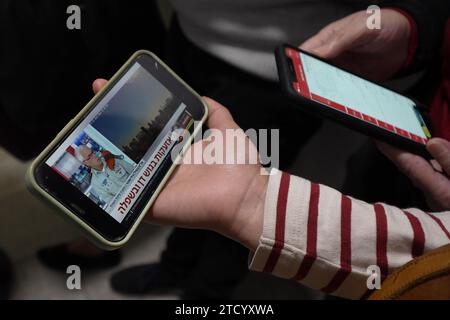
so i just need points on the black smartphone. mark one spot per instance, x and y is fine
(323, 89)
(106, 167)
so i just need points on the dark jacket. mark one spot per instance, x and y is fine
(46, 70)
(430, 17)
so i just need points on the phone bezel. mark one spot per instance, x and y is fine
(81, 206)
(315, 108)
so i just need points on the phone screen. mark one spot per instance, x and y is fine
(357, 97)
(117, 149)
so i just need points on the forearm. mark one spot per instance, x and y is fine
(326, 240)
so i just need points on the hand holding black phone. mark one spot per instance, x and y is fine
(321, 88)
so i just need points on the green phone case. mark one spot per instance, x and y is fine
(93, 235)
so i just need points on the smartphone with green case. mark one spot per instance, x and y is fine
(104, 170)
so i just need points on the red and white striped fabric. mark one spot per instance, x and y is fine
(326, 240)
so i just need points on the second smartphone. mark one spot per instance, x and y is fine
(320, 88)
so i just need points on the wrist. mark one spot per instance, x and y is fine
(411, 33)
(249, 219)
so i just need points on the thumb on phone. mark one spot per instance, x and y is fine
(219, 117)
(440, 150)
(98, 84)
(331, 42)
(338, 37)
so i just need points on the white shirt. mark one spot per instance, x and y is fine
(245, 33)
(326, 240)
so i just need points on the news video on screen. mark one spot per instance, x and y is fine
(117, 149)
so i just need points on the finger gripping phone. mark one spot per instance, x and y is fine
(104, 170)
(323, 89)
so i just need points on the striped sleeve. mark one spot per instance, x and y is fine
(315, 235)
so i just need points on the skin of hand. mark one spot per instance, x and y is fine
(375, 54)
(378, 55)
(426, 175)
(226, 198)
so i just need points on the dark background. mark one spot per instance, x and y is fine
(46, 70)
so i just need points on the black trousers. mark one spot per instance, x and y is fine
(213, 264)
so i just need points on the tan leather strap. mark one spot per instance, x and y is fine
(426, 277)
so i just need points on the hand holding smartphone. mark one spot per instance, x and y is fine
(323, 89)
(106, 167)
